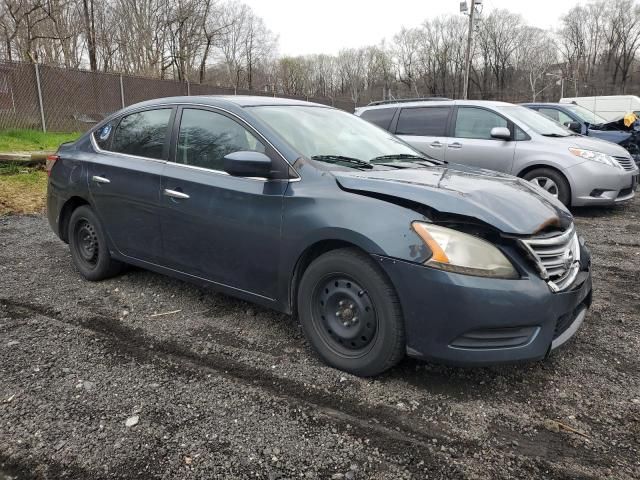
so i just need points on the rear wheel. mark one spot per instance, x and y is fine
(88, 246)
(350, 313)
(551, 181)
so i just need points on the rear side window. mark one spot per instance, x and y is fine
(379, 116)
(206, 137)
(142, 134)
(427, 121)
(477, 123)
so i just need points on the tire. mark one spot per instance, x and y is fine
(88, 246)
(554, 182)
(350, 313)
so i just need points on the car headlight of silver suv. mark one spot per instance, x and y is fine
(595, 156)
(459, 252)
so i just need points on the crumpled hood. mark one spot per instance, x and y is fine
(510, 204)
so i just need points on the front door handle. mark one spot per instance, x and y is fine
(175, 194)
(435, 144)
(99, 179)
(455, 145)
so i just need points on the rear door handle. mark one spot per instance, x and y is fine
(98, 179)
(435, 144)
(175, 194)
(455, 145)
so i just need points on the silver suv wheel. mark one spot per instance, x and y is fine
(547, 184)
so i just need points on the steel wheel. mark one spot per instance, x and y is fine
(87, 242)
(88, 245)
(350, 313)
(546, 184)
(344, 316)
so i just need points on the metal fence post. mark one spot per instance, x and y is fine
(44, 124)
(121, 91)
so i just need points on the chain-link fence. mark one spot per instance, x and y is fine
(68, 100)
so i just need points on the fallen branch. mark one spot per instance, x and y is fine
(165, 313)
(556, 426)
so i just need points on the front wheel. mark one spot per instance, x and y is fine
(88, 246)
(551, 181)
(350, 313)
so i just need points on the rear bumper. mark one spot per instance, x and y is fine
(472, 321)
(54, 205)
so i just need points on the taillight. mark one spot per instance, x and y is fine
(51, 160)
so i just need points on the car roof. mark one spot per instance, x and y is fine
(435, 103)
(542, 104)
(227, 100)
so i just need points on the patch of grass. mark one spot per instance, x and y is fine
(22, 190)
(16, 140)
(9, 168)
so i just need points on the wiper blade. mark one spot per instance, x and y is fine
(342, 159)
(406, 156)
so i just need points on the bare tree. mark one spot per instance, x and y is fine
(537, 55)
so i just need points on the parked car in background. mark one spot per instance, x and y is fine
(379, 250)
(516, 140)
(609, 107)
(586, 122)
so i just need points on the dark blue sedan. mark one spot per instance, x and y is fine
(590, 124)
(377, 249)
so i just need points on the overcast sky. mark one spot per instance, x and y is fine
(326, 26)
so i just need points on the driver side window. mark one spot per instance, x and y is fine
(205, 138)
(477, 123)
(556, 115)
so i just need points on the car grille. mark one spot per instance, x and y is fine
(556, 257)
(626, 162)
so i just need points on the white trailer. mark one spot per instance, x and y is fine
(610, 107)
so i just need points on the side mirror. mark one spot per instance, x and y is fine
(501, 133)
(574, 126)
(247, 164)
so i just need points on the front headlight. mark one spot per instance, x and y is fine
(595, 156)
(459, 252)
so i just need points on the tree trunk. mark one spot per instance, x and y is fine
(89, 25)
(203, 62)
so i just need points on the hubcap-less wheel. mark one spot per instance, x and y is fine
(546, 184)
(344, 315)
(87, 242)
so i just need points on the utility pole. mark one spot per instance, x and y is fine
(467, 57)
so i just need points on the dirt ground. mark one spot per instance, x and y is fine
(95, 384)
(22, 192)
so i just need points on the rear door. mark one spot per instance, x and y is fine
(124, 182)
(425, 128)
(471, 142)
(214, 226)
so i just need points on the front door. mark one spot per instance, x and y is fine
(214, 226)
(124, 180)
(472, 144)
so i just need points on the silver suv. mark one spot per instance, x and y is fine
(513, 139)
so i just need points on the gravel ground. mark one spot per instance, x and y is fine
(93, 385)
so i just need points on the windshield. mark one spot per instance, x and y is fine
(536, 121)
(586, 115)
(327, 133)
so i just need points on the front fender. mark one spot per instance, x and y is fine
(314, 213)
